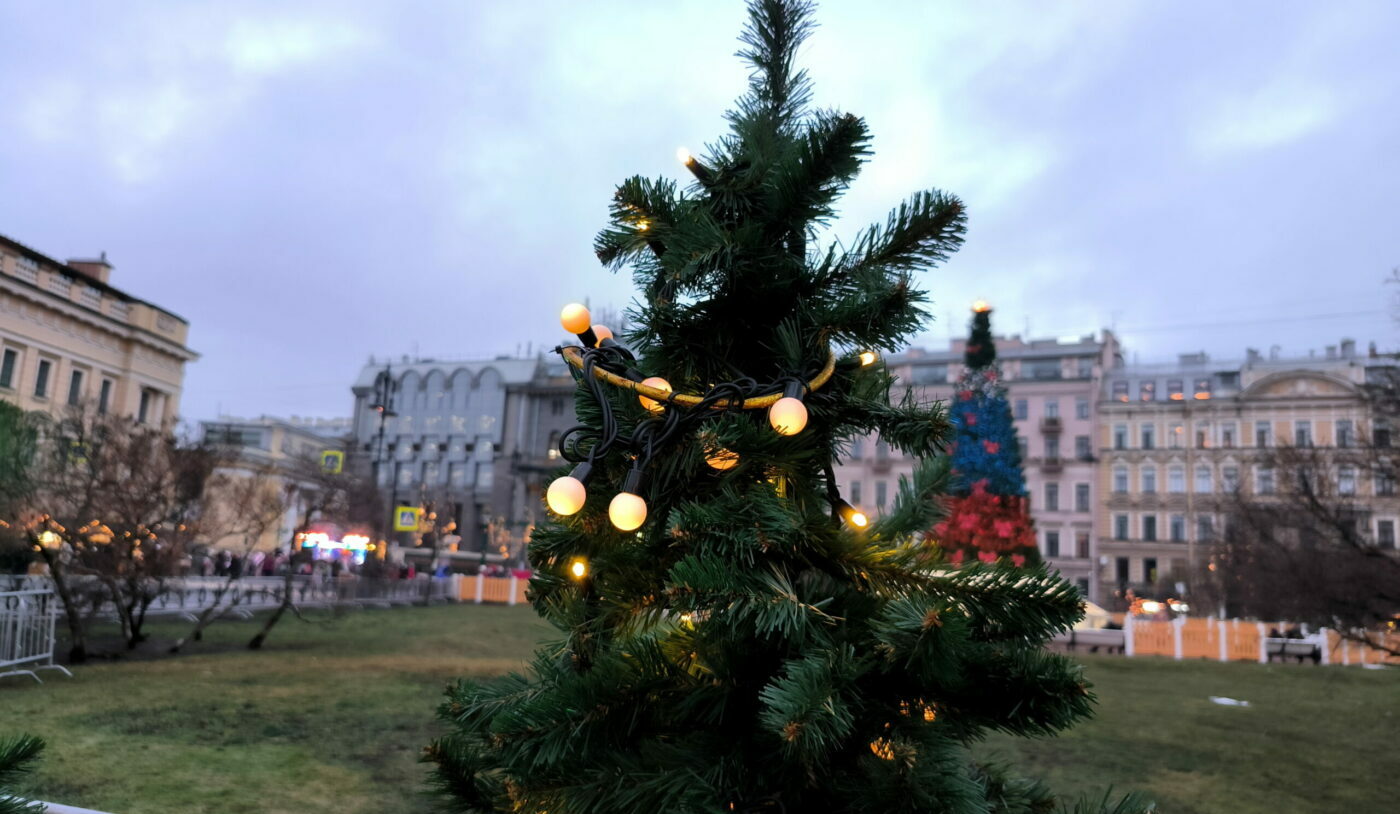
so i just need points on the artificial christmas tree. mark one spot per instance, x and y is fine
(735, 636)
(18, 753)
(988, 518)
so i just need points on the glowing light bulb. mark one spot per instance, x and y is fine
(566, 495)
(643, 225)
(722, 459)
(627, 511)
(579, 568)
(575, 318)
(601, 332)
(853, 516)
(788, 415)
(980, 306)
(683, 155)
(652, 404)
(867, 358)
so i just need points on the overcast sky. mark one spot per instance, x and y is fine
(312, 183)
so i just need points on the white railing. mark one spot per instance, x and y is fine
(27, 624)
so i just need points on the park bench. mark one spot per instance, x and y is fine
(1111, 641)
(1298, 649)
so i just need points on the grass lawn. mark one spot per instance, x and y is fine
(331, 718)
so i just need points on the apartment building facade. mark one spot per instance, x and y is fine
(1053, 386)
(69, 338)
(475, 434)
(1176, 441)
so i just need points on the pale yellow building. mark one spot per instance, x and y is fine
(68, 337)
(1177, 440)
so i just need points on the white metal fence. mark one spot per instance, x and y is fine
(27, 623)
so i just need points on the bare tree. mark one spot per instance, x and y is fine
(1297, 543)
(344, 498)
(243, 505)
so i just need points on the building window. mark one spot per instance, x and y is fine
(457, 475)
(41, 381)
(1120, 436)
(1081, 497)
(1081, 545)
(1346, 480)
(1052, 449)
(556, 406)
(1081, 448)
(1263, 433)
(1149, 569)
(1227, 435)
(1120, 391)
(1052, 544)
(104, 397)
(1385, 533)
(1120, 570)
(1380, 434)
(1149, 528)
(930, 374)
(1264, 481)
(1176, 479)
(1203, 435)
(430, 473)
(1149, 479)
(1052, 408)
(7, 367)
(1176, 436)
(75, 387)
(143, 411)
(406, 473)
(1385, 481)
(857, 449)
(1084, 367)
(1230, 478)
(1205, 528)
(1344, 433)
(1120, 527)
(1149, 436)
(1177, 528)
(1202, 389)
(1175, 391)
(1081, 407)
(855, 492)
(1120, 479)
(1302, 433)
(1023, 447)
(1052, 497)
(1045, 369)
(1021, 409)
(1147, 391)
(881, 487)
(1204, 480)
(882, 450)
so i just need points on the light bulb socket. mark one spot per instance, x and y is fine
(853, 516)
(588, 338)
(633, 482)
(631, 374)
(702, 173)
(794, 390)
(582, 472)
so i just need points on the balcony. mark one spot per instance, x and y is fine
(1051, 425)
(1052, 464)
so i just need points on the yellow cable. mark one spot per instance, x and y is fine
(574, 356)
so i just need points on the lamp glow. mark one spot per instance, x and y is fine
(600, 333)
(788, 415)
(627, 511)
(567, 495)
(579, 568)
(867, 358)
(575, 318)
(854, 517)
(980, 306)
(652, 404)
(722, 459)
(683, 155)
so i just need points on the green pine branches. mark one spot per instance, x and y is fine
(18, 754)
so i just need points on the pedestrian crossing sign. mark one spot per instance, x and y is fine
(407, 518)
(333, 461)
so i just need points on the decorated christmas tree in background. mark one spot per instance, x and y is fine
(988, 518)
(734, 636)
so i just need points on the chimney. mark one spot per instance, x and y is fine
(1348, 348)
(1252, 355)
(1331, 351)
(1372, 351)
(1273, 352)
(99, 269)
